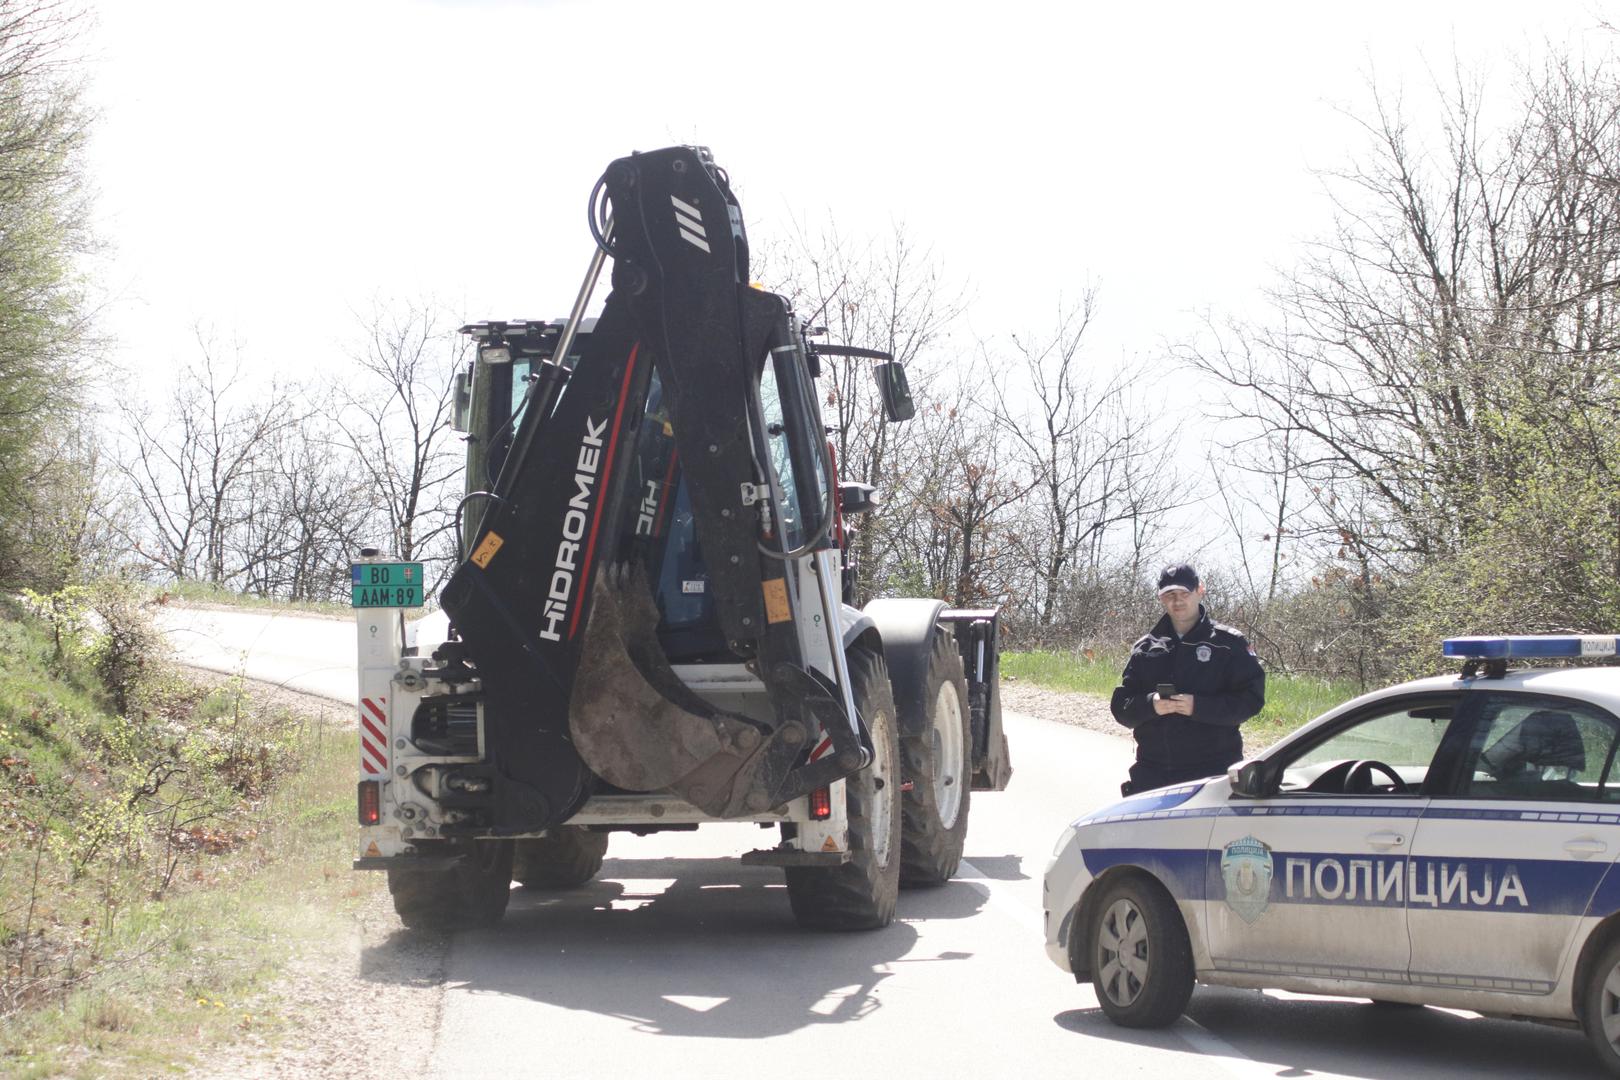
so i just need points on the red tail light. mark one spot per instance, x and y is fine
(370, 802)
(820, 804)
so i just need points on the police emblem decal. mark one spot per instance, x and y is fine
(1246, 871)
(1204, 653)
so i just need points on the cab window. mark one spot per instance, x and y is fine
(1547, 749)
(789, 509)
(1387, 751)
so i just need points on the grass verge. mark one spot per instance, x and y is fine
(201, 592)
(158, 868)
(1291, 700)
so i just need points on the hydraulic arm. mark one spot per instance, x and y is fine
(553, 607)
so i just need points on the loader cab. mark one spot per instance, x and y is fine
(664, 533)
(490, 394)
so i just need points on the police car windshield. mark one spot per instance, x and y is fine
(1404, 738)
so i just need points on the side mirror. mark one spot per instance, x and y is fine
(1248, 779)
(461, 404)
(896, 391)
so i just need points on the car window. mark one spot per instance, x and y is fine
(1548, 749)
(1385, 752)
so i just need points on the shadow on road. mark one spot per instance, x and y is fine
(1303, 1036)
(696, 948)
(1000, 867)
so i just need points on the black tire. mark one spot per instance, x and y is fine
(861, 894)
(939, 765)
(565, 858)
(1600, 1006)
(470, 894)
(1136, 918)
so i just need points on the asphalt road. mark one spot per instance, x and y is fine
(680, 962)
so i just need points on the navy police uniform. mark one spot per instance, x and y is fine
(1215, 664)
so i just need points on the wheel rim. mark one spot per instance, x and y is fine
(946, 736)
(1122, 953)
(881, 811)
(1609, 1008)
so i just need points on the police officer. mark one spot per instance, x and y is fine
(1188, 685)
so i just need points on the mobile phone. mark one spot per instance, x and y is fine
(1167, 690)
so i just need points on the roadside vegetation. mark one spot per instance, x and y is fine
(164, 846)
(205, 593)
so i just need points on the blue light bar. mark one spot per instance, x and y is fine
(1530, 646)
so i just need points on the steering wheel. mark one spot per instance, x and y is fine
(1359, 780)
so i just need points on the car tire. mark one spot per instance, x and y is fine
(471, 894)
(1141, 959)
(939, 764)
(861, 893)
(1600, 1006)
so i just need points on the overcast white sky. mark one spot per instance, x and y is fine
(268, 168)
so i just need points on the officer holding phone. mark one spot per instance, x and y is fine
(1188, 685)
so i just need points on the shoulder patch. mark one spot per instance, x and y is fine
(1230, 631)
(1148, 645)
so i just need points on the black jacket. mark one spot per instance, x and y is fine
(1214, 664)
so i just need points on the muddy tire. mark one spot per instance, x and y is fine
(1141, 960)
(565, 858)
(470, 894)
(939, 764)
(861, 894)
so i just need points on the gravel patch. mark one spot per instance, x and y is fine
(364, 1004)
(1082, 710)
(1060, 706)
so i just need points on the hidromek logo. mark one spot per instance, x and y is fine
(573, 528)
(649, 510)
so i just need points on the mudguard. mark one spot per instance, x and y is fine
(908, 628)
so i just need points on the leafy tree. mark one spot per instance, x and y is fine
(43, 227)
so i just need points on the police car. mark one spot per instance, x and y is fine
(1449, 841)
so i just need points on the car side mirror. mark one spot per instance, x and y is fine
(1248, 779)
(896, 391)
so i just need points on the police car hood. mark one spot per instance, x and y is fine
(1166, 802)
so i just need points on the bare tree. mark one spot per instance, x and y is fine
(309, 518)
(891, 296)
(396, 424)
(1434, 401)
(957, 542)
(194, 466)
(1092, 460)
(1455, 301)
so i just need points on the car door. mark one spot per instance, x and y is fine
(1310, 879)
(1509, 854)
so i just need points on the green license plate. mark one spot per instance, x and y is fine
(384, 584)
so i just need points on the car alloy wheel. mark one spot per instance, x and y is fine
(1608, 1007)
(1122, 952)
